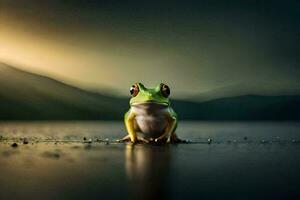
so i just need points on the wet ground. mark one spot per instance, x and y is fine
(81, 160)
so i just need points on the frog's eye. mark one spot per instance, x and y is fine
(165, 90)
(134, 90)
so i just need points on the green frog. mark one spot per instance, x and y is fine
(150, 117)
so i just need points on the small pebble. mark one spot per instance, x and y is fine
(25, 141)
(90, 141)
(209, 140)
(106, 141)
(84, 138)
(245, 138)
(14, 145)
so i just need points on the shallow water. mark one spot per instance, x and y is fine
(249, 160)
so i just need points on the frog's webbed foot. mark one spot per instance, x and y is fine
(142, 140)
(124, 139)
(139, 139)
(160, 140)
(173, 139)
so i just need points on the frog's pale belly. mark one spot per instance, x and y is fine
(151, 126)
(150, 120)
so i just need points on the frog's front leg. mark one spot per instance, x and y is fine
(129, 124)
(170, 129)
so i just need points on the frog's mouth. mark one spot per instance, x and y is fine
(150, 103)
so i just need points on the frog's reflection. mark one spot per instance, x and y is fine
(147, 169)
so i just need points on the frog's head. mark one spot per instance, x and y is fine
(158, 95)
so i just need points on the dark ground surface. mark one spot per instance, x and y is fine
(243, 161)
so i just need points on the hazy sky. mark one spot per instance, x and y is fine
(194, 47)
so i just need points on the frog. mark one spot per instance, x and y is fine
(150, 117)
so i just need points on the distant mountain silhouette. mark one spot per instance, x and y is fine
(247, 107)
(28, 96)
(241, 88)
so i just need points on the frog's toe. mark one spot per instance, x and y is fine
(124, 139)
(143, 140)
(160, 140)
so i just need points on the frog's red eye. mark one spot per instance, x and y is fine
(134, 90)
(165, 90)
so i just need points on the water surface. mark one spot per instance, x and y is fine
(250, 160)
